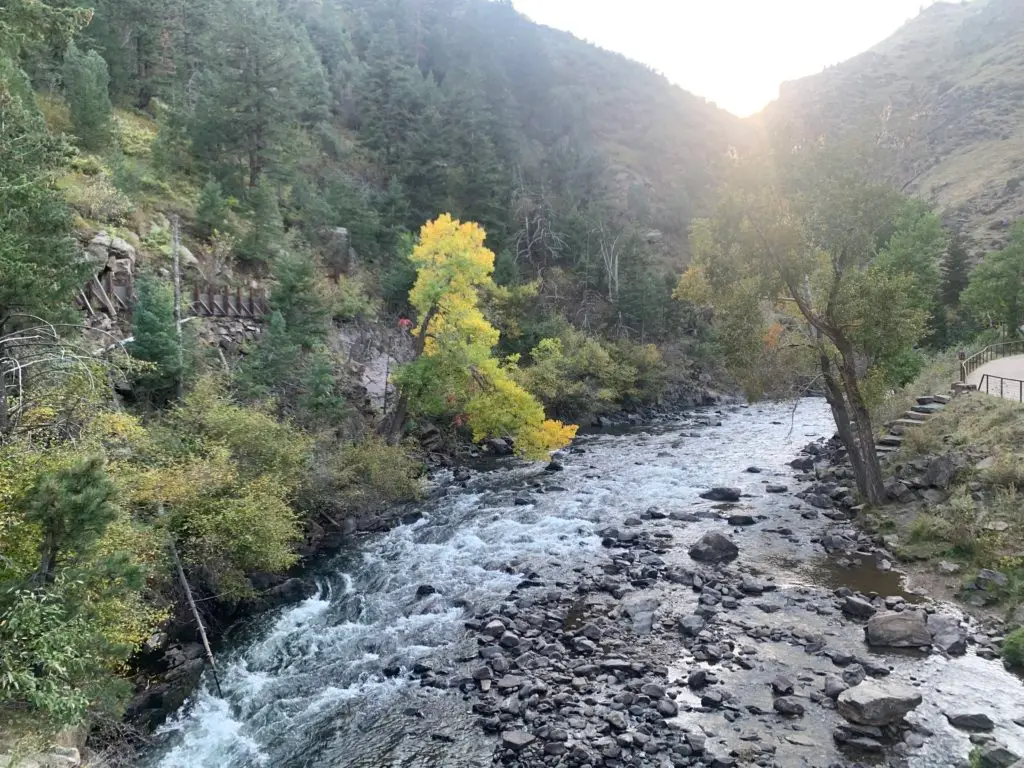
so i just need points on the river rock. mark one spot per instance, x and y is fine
(498, 446)
(947, 634)
(858, 608)
(741, 519)
(730, 495)
(640, 608)
(898, 630)
(517, 740)
(425, 590)
(782, 686)
(788, 705)
(970, 721)
(834, 686)
(691, 625)
(776, 488)
(714, 548)
(996, 756)
(877, 704)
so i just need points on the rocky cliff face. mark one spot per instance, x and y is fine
(945, 96)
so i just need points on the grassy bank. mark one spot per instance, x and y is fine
(968, 522)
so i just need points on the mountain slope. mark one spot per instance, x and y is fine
(945, 94)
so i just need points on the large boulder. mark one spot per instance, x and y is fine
(898, 630)
(731, 495)
(877, 704)
(714, 548)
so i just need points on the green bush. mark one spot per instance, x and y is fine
(362, 477)
(1013, 648)
(575, 375)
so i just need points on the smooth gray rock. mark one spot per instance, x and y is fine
(970, 721)
(877, 704)
(858, 608)
(898, 630)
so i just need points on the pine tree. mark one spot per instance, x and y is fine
(262, 243)
(73, 507)
(211, 211)
(956, 270)
(39, 269)
(156, 341)
(85, 87)
(262, 81)
(296, 297)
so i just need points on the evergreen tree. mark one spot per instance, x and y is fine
(296, 297)
(85, 87)
(262, 81)
(262, 242)
(479, 188)
(956, 271)
(272, 366)
(211, 211)
(39, 269)
(156, 340)
(73, 507)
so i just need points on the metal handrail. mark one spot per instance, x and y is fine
(1017, 384)
(987, 355)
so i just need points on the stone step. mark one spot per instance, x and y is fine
(907, 423)
(942, 399)
(929, 409)
(927, 400)
(891, 441)
(885, 449)
(920, 418)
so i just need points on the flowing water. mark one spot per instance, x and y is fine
(315, 684)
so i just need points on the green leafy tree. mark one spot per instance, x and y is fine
(50, 656)
(155, 340)
(995, 292)
(86, 89)
(455, 369)
(73, 507)
(798, 264)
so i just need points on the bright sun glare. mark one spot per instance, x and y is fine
(735, 53)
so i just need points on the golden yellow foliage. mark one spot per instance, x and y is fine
(457, 371)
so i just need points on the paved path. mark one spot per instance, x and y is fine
(1008, 367)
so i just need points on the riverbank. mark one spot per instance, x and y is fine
(615, 647)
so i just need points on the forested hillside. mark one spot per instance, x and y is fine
(376, 115)
(945, 95)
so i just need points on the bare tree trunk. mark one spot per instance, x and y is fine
(195, 614)
(175, 253)
(864, 434)
(841, 415)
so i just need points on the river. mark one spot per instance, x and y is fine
(334, 681)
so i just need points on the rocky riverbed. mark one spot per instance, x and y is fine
(679, 595)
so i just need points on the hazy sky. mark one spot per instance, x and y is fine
(732, 52)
